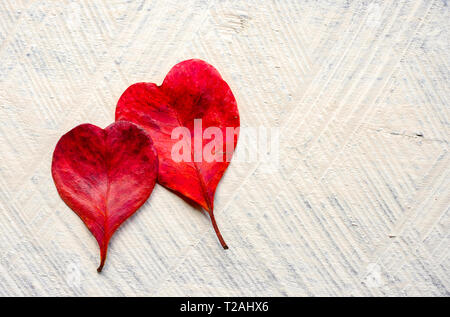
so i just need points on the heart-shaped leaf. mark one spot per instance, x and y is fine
(105, 175)
(192, 90)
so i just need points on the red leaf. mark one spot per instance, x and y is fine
(192, 89)
(104, 175)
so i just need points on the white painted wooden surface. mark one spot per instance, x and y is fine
(359, 90)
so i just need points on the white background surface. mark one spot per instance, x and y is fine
(359, 204)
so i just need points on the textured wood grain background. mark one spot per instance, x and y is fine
(358, 205)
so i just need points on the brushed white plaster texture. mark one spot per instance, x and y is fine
(358, 204)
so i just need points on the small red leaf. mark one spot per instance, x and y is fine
(192, 89)
(104, 175)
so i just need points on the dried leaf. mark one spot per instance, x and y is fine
(192, 89)
(105, 175)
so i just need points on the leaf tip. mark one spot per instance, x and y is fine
(102, 263)
(103, 252)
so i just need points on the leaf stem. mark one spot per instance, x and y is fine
(216, 229)
(103, 251)
(100, 268)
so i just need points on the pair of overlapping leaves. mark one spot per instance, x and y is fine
(105, 175)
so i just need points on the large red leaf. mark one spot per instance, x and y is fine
(105, 175)
(193, 89)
